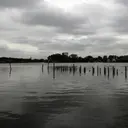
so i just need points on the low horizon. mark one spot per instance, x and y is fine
(67, 58)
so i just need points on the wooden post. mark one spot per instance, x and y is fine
(100, 71)
(97, 70)
(105, 71)
(84, 70)
(125, 72)
(42, 67)
(80, 70)
(108, 72)
(117, 72)
(74, 70)
(113, 71)
(93, 71)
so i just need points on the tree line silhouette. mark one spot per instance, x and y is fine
(73, 58)
(19, 60)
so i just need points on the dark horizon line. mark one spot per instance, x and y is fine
(65, 58)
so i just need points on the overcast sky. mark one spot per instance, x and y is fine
(38, 28)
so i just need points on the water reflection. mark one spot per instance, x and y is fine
(10, 69)
(54, 75)
(71, 99)
(81, 70)
(48, 69)
(74, 69)
(38, 110)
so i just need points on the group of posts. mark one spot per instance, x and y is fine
(106, 70)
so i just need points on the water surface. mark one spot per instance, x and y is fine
(40, 98)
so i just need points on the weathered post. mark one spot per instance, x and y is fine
(93, 71)
(74, 70)
(97, 70)
(105, 71)
(42, 67)
(84, 70)
(108, 72)
(80, 70)
(113, 70)
(125, 72)
(100, 71)
(117, 72)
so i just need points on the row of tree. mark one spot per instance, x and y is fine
(19, 60)
(67, 59)
(74, 58)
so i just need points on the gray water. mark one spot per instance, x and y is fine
(34, 98)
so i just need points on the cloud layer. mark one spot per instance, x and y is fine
(39, 28)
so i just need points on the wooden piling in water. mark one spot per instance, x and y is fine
(42, 67)
(105, 71)
(97, 70)
(74, 70)
(84, 70)
(125, 72)
(93, 71)
(113, 70)
(100, 71)
(80, 70)
(117, 72)
(108, 71)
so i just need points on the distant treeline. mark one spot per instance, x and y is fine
(75, 58)
(19, 60)
(62, 58)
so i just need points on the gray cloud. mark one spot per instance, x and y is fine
(17, 3)
(123, 2)
(64, 22)
(65, 47)
(120, 23)
(28, 28)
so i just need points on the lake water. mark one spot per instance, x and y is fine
(34, 98)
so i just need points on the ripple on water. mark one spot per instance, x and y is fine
(33, 99)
